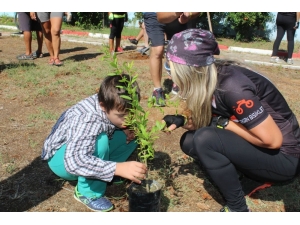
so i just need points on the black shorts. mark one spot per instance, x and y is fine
(27, 24)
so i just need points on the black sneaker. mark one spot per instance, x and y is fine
(133, 41)
(159, 97)
(227, 209)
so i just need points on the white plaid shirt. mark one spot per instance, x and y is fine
(78, 128)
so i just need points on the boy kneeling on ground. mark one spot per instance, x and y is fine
(89, 143)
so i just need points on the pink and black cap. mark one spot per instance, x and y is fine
(193, 47)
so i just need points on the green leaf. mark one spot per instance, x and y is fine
(126, 97)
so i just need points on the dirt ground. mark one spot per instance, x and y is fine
(27, 184)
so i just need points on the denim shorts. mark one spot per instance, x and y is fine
(154, 29)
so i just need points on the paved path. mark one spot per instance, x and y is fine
(248, 55)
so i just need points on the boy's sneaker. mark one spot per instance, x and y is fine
(159, 96)
(289, 61)
(274, 59)
(96, 204)
(133, 41)
(227, 209)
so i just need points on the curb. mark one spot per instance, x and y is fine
(87, 34)
(273, 64)
(262, 52)
(221, 47)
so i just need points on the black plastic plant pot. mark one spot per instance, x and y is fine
(140, 200)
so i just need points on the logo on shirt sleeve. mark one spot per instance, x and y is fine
(248, 103)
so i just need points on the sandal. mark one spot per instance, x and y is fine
(51, 61)
(25, 57)
(37, 54)
(57, 62)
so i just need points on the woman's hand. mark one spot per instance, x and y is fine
(174, 121)
(32, 15)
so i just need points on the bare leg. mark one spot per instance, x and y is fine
(156, 65)
(140, 35)
(48, 37)
(118, 43)
(56, 23)
(39, 36)
(111, 45)
(145, 35)
(27, 40)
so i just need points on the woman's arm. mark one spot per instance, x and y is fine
(167, 17)
(183, 17)
(267, 134)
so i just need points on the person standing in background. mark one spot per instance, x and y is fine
(51, 23)
(117, 20)
(158, 25)
(142, 34)
(27, 25)
(286, 22)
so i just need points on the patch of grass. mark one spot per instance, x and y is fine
(44, 115)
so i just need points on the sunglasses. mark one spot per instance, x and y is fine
(167, 68)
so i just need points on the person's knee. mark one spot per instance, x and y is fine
(55, 32)
(204, 140)
(186, 142)
(157, 52)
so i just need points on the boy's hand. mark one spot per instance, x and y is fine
(131, 170)
(129, 135)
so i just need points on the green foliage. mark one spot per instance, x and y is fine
(245, 23)
(89, 20)
(242, 26)
(137, 118)
(138, 15)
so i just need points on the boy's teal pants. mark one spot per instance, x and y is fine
(115, 150)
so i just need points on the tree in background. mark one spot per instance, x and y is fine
(241, 26)
(249, 25)
(90, 20)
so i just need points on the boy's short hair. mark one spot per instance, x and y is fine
(110, 94)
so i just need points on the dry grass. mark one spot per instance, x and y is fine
(33, 95)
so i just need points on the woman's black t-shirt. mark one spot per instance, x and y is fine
(248, 97)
